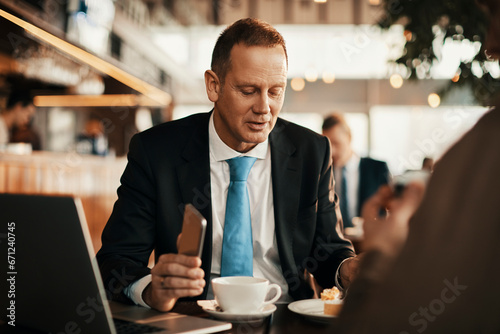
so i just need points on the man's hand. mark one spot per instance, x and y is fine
(348, 271)
(388, 234)
(174, 276)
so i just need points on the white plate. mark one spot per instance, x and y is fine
(310, 308)
(210, 306)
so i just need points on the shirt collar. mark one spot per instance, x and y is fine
(220, 151)
(353, 163)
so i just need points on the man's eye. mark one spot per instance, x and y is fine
(247, 92)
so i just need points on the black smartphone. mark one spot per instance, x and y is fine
(194, 226)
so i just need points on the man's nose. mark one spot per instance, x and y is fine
(262, 105)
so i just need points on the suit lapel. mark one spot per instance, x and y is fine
(286, 171)
(194, 173)
(194, 180)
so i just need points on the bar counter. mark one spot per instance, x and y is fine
(92, 178)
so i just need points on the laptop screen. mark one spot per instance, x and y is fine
(51, 279)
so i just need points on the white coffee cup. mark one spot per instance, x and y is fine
(243, 294)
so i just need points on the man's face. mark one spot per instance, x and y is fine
(340, 143)
(247, 105)
(23, 115)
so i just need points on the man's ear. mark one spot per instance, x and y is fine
(212, 85)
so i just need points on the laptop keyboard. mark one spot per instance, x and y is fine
(127, 327)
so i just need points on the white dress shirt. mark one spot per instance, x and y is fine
(352, 181)
(266, 262)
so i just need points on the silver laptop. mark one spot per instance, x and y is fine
(52, 282)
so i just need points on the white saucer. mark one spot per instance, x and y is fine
(210, 306)
(311, 308)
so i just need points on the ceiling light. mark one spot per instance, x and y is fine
(311, 75)
(396, 81)
(297, 84)
(328, 77)
(434, 100)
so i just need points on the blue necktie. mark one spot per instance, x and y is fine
(237, 247)
(344, 200)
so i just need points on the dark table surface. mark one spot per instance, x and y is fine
(281, 321)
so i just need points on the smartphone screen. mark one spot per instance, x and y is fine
(193, 232)
(400, 182)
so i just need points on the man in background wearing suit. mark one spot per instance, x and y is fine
(356, 179)
(295, 223)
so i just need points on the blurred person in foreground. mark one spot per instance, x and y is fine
(444, 278)
(294, 213)
(17, 114)
(356, 178)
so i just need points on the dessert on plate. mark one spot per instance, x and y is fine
(332, 301)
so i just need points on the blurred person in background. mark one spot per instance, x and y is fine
(17, 114)
(431, 265)
(27, 134)
(356, 178)
(93, 139)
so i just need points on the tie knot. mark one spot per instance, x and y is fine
(239, 167)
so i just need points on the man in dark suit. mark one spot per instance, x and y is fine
(356, 178)
(294, 213)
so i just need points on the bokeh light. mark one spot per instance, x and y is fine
(328, 77)
(297, 84)
(396, 81)
(311, 75)
(434, 100)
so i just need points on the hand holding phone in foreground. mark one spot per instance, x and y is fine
(179, 275)
(388, 234)
(400, 182)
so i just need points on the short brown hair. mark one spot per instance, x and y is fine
(335, 119)
(250, 32)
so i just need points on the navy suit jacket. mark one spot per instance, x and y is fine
(168, 167)
(372, 174)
